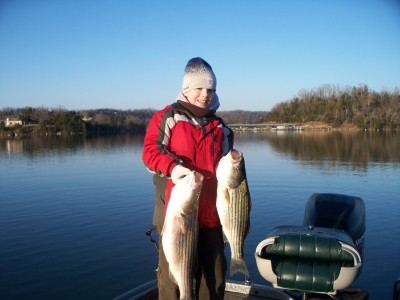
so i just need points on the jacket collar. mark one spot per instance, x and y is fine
(197, 111)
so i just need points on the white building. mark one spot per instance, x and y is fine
(11, 122)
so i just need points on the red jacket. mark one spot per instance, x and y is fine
(175, 136)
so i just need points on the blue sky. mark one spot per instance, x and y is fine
(82, 54)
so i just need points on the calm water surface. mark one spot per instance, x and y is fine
(74, 211)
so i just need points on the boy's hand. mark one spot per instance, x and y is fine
(178, 172)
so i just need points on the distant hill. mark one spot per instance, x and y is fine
(340, 107)
(39, 121)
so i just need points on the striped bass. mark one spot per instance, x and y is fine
(233, 206)
(180, 232)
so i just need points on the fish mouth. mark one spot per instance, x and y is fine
(198, 178)
(236, 155)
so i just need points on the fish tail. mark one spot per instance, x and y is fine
(239, 265)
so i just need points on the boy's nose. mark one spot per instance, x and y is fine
(204, 92)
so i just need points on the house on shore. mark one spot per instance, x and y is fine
(11, 122)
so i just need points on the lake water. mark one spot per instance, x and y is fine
(74, 211)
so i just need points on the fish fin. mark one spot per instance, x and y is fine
(225, 237)
(239, 265)
(223, 195)
(172, 277)
(181, 221)
(227, 197)
(247, 232)
(163, 229)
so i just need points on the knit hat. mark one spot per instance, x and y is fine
(198, 74)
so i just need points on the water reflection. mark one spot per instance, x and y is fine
(355, 150)
(38, 146)
(348, 149)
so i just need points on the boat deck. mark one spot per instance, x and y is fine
(240, 291)
(233, 291)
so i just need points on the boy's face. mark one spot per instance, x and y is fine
(200, 97)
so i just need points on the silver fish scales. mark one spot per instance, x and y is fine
(180, 232)
(233, 205)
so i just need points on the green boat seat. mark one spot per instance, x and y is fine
(307, 260)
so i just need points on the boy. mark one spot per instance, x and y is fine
(186, 136)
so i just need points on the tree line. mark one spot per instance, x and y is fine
(336, 106)
(59, 121)
(38, 121)
(327, 104)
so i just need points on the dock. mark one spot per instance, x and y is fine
(264, 127)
